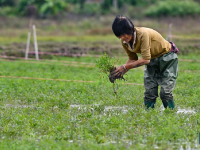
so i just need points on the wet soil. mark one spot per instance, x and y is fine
(50, 49)
(74, 49)
(113, 77)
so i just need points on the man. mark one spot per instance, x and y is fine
(158, 55)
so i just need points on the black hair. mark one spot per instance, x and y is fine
(122, 25)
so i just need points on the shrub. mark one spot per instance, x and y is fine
(173, 8)
(88, 9)
(7, 11)
(7, 3)
(53, 7)
(44, 7)
(23, 4)
(106, 5)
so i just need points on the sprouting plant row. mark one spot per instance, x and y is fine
(81, 64)
(66, 64)
(13, 57)
(31, 78)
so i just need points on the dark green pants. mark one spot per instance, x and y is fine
(161, 71)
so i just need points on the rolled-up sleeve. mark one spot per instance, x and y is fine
(145, 46)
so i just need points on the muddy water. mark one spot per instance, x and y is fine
(118, 109)
(123, 109)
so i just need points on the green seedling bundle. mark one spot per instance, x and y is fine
(107, 65)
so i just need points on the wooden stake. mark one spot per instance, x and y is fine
(28, 44)
(28, 39)
(35, 42)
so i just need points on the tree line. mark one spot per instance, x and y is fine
(49, 8)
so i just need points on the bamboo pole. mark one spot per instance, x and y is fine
(35, 42)
(28, 40)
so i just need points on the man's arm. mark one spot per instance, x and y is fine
(131, 64)
(135, 64)
(130, 61)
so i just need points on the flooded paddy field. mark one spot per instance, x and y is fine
(54, 104)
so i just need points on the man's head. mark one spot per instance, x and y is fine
(123, 28)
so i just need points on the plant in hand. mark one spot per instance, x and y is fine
(106, 65)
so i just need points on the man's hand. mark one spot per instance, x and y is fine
(120, 71)
(117, 74)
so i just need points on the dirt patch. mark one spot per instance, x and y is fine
(113, 77)
(50, 49)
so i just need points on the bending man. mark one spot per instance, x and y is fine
(158, 55)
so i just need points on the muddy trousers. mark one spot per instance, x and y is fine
(161, 71)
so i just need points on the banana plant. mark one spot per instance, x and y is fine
(53, 7)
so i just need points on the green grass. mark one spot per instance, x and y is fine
(47, 114)
(54, 38)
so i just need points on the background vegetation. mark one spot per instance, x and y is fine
(137, 8)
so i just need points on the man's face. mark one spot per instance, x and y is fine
(125, 37)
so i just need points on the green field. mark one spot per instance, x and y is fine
(57, 108)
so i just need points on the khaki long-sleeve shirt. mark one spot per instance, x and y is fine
(149, 43)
